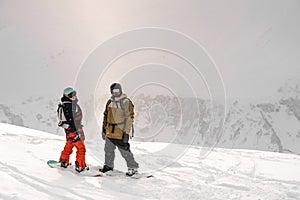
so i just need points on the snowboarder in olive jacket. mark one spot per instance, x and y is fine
(117, 124)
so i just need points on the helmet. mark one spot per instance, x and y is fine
(114, 87)
(69, 92)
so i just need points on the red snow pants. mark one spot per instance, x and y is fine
(80, 153)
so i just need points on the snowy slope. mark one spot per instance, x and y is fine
(224, 174)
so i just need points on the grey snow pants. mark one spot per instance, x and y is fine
(124, 148)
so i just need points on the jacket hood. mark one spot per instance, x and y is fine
(64, 98)
(123, 95)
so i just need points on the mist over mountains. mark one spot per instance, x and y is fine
(270, 125)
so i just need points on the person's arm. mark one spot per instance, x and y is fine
(129, 115)
(104, 123)
(69, 111)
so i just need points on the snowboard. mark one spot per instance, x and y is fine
(89, 173)
(118, 173)
(93, 171)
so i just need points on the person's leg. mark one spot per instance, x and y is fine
(65, 154)
(80, 153)
(109, 150)
(124, 149)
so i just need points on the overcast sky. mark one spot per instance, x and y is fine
(43, 44)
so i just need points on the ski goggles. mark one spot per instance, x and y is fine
(72, 94)
(116, 90)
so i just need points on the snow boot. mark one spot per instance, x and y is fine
(131, 171)
(106, 169)
(64, 163)
(80, 169)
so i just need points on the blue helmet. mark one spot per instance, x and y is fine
(70, 92)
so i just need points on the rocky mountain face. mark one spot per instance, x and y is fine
(264, 126)
(37, 113)
(267, 126)
(271, 125)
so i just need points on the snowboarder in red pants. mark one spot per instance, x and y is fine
(70, 116)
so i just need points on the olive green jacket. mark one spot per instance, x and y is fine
(118, 117)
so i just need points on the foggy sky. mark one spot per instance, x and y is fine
(254, 43)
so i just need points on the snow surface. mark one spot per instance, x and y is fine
(223, 174)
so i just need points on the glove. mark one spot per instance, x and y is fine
(125, 137)
(82, 136)
(103, 133)
(77, 137)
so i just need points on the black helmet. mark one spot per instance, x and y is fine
(115, 86)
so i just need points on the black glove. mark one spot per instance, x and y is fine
(77, 137)
(125, 137)
(103, 133)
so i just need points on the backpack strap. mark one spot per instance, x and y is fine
(123, 108)
(107, 104)
(61, 115)
(122, 103)
(125, 119)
